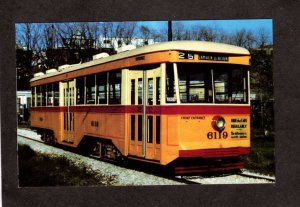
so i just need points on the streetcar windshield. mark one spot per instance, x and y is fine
(194, 84)
(230, 84)
(212, 83)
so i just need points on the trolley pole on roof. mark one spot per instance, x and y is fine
(170, 37)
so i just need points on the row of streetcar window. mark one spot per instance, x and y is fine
(195, 86)
(45, 95)
(99, 88)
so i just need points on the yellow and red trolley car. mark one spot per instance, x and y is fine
(183, 104)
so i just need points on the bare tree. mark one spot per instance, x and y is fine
(209, 34)
(222, 36)
(29, 36)
(244, 38)
(203, 33)
(186, 35)
(194, 32)
(130, 28)
(107, 29)
(90, 31)
(262, 37)
(250, 40)
(145, 32)
(36, 38)
(178, 31)
(95, 31)
(119, 33)
(239, 38)
(107, 33)
(65, 31)
(50, 36)
(157, 36)
(162, 35)
(124, 32)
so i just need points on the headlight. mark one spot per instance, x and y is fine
(218, 123)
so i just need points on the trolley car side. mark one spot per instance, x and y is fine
(184, 104)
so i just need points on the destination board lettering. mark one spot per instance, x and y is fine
(213, 57)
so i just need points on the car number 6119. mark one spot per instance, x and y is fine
(217, 135)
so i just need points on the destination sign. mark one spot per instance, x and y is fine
(203, 56)
(213, 57)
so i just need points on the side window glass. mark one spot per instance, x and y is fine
(150, 91)
(90, 89)
(170, 84)
(115, 87)
(101, 88)
(33, 96)
(132, 92)
(158, 91)
(140, 91)
(221, 87)
(38, 96)
(49, 94)
(43, 91)
(80, 90)
(56, 93)
(194, 83)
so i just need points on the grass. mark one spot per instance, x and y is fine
(262, 155)
(36, 169)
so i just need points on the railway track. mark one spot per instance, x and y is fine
(33, 139)
(256, 176)
(238, 178)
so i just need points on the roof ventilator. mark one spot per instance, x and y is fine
(126, 48)
(63, 67)
(51, 71)
(38, 74)
(100, 56)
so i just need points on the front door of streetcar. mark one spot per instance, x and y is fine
(67, 99)
(144, 121)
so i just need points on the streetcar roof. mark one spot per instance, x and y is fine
(194, 46)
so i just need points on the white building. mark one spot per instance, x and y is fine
(23, 104)
(24, 98)
(115, 43)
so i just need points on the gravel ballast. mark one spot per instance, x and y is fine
(123, 176)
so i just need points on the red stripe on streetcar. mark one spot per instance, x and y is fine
(211, 153)
(208, 168)
(48, 109)
(205, 109)
(169, 110)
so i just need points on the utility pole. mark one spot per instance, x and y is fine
(170, 37)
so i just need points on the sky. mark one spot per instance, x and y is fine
(230, 26)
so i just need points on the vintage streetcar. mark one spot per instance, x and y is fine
(181, 104)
